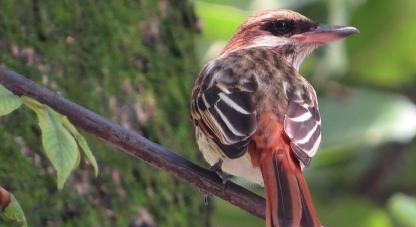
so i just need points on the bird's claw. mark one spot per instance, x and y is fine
(217, 169)
(224, 177)
(205, 196)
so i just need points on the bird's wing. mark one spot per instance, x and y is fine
(302, 124)
(222, 107)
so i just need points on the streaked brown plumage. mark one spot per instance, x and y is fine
(257, 116)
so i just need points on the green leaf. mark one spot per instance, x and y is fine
(32, 104)
(363, 118)
(366, 117)
(14, 212)
(403, 209)
(59, 144)
(8, 101)
(87, 151)
(81, 142)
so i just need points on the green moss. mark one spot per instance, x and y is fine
(113, 57)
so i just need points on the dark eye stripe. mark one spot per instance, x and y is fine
(305, 26)
(280, 27)
(288, 27)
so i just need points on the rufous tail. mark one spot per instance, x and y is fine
(289, 203)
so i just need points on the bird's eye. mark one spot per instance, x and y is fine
(280, 27)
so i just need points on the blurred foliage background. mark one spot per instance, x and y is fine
(135, 62)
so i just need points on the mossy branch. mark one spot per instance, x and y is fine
(135, 145)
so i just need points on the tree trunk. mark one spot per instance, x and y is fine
(132, 61)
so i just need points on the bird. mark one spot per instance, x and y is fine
(257, 118)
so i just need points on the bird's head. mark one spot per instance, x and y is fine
(287, 32)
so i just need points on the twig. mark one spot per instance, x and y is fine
(135, 145)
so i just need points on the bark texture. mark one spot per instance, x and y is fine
(131, 61)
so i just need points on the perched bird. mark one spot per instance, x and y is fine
(256, 117)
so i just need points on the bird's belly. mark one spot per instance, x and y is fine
(240, 167)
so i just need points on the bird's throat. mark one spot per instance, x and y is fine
(295, 55)
(292, 53)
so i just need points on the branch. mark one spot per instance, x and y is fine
(136, 145)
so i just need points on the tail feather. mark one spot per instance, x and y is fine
(309, 213)
(289, 202)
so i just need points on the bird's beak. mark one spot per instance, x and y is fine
(324, 34)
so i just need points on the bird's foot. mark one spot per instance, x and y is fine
(205, 196)
(217, 169)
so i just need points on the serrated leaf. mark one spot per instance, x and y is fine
(59, 144)
(81, 142)
(64, 120)
(403, 209)
(8, 101)
(13, 211)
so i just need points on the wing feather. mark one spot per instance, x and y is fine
(302, 124)
(225, 109)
